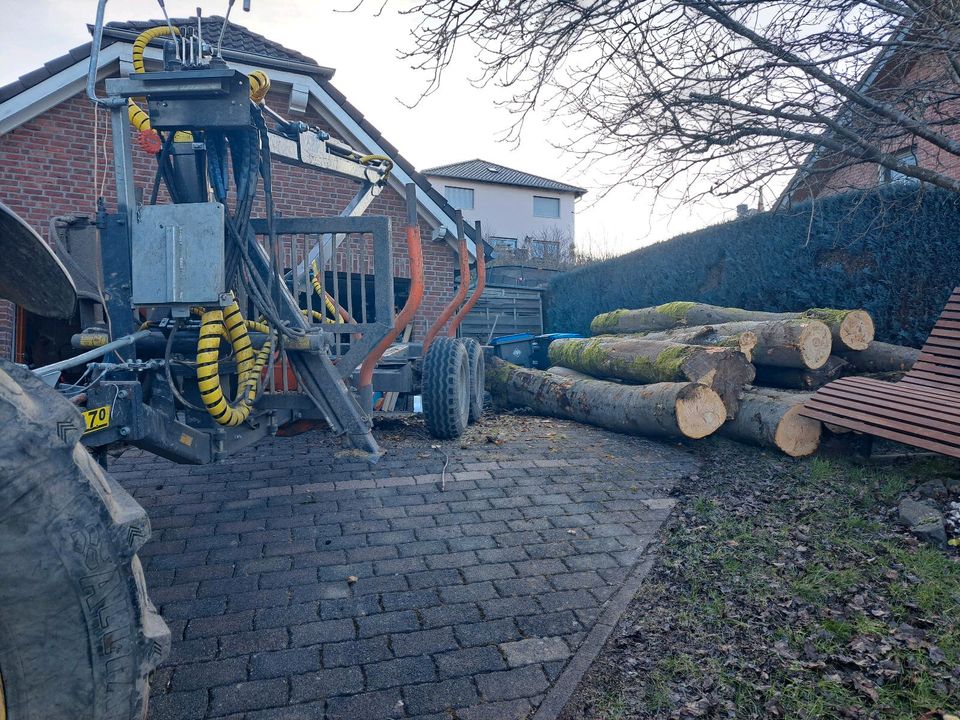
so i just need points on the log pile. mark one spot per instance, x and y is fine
(686, 370)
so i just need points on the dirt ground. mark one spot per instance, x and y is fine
(786, 589)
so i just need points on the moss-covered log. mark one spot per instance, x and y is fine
(672, 410)
(642, 360)
(771, 418)
(851, 329)
(803, 378)
(882, 357)
(710, 335)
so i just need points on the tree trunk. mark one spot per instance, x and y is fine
(882, 357)
(851, 329)
(710, 335)
(771, 418)
(573, 374)
(803, 378)
(673, 410)
(641, 360)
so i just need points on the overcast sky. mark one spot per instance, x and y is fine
(458, 122)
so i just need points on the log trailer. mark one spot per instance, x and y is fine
(203, 330)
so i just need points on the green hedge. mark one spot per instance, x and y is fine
(894, 252)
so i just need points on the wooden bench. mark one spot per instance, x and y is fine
(922, 409)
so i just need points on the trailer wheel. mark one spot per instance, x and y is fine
(78, 634)
(477, 377)
(446, 388)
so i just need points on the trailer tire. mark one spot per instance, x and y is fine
(477, 377)
(78, 634)
(446, 388)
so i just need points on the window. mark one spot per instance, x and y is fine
(886, 175)
(508, 243)
(544, 249)
(460, 198)
(546, 207)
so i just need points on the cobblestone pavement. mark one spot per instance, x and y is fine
(303, 583)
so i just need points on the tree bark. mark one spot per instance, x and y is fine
(850, 329)
(641, 360)
(574, 374)
(803, 378)
(710, 335)
(672, 410)
(882, 357)
(771, 418)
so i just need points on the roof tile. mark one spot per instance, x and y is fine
(487, 172)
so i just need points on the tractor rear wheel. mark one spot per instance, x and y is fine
(477, 377)
(446, 388)
(78, 634)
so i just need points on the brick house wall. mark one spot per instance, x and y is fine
(56, 164)
(897, 75)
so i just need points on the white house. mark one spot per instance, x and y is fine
(518, 211)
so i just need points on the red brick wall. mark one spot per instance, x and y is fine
(56, 163)
(930, 69)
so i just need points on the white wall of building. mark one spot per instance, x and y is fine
(507, 210)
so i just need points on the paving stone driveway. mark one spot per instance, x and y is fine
(300, 584)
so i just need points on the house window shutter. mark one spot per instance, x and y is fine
(460, 198)
(546, 207)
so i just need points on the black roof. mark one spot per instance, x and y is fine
(488, 172)
(239, 43)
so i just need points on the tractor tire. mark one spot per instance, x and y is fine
(78, 634)
(477, 377)
(446, 388)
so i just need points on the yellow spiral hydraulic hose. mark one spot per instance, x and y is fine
(215, 325)
(138, 116)
(259, 82)
(325, 296)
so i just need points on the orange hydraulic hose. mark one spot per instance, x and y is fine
(477, 292)
(410, 307)
(461, 292)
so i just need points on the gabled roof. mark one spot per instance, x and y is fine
(487, 172)
(245, 46)
(239, 43)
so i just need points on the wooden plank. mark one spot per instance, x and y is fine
(941, 356)
(934, 372)
(895, 425)
(935, 392)
(923, 408)
(941, 332)
(889, 412)
(935, 385)
(904, 438)
(949, 324)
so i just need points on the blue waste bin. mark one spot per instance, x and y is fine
(541, 344)
(516, 349)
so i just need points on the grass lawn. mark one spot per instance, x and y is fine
(786, 589)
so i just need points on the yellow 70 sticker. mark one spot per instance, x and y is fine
(96, 419)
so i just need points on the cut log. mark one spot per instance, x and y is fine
(672, 410)
(803, 378)
(573, 374)
(710, 335)
(771, 418)
(882, 357)
(851, 329)
(642, 360)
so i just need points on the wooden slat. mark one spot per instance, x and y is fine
(949, 324)
(862, 427)
(942, 333)
(932, 394)
(950, 426)
(888, 423)
(949, 314)
(942, 346)
(943, 411)
(943, 378)
(940, 356)
(932, 385)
